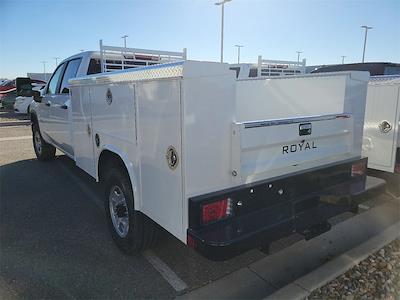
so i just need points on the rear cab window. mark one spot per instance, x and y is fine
(94, 66)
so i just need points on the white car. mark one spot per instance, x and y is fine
(22, 103)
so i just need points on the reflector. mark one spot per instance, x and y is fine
(359, 168)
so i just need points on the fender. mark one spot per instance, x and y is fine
(130, 167)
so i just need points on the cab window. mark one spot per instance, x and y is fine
(94, 66)
(53, 83)
(70, 72)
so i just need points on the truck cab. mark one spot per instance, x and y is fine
(54, 108)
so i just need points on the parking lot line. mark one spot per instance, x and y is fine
(166, 272)
(15, 138)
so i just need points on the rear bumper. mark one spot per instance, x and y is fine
(306, 214)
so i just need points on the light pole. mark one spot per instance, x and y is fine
(44, 69)
(343, 56)
(124, 37)
(365, 39)
(238, 48)
(56, 58)
(222, 3)
(298, 55)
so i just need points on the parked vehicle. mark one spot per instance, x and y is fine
(25, 88)
(188, 147)
(7, 86)
(374, 68)
(269, 68)
(382, 118)
(381, 129)
(7, 93)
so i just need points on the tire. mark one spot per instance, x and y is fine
(43, 150)
(131, 230)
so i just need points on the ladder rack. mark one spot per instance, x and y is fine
(279, 67)
(119, 58)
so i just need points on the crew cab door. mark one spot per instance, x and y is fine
(60, 109)
(43, 111)
(381, 126)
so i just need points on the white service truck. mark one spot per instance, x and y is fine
(224, 165)
(381, 143)
(269, 68)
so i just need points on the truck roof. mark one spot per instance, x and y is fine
(85, 54)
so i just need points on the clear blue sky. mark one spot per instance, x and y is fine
(37, 30)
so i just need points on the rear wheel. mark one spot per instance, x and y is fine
(131, 230)
(44, 151)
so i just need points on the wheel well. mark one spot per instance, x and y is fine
(109, 159)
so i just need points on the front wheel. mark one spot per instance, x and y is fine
(131, 230)
(44, 151)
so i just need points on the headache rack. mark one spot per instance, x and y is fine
(279, 67)
(120, 58)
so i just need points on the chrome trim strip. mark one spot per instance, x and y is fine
(266, 123)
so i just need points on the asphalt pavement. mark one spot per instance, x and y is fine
(54, 240)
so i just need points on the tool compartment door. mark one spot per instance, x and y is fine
(82, 137)
(273, 146)
(159, 137)
(381, 126)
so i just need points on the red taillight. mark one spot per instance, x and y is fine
(217, 210)
(359, 168)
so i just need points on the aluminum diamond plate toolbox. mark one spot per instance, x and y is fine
(169, 70)
(385, 79)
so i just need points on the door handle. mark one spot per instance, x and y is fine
(48, 103)
(64, 106)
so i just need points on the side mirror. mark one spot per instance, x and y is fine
(37, 97)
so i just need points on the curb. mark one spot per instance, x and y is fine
(302, 287)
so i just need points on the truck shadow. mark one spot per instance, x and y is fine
(54, 240)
